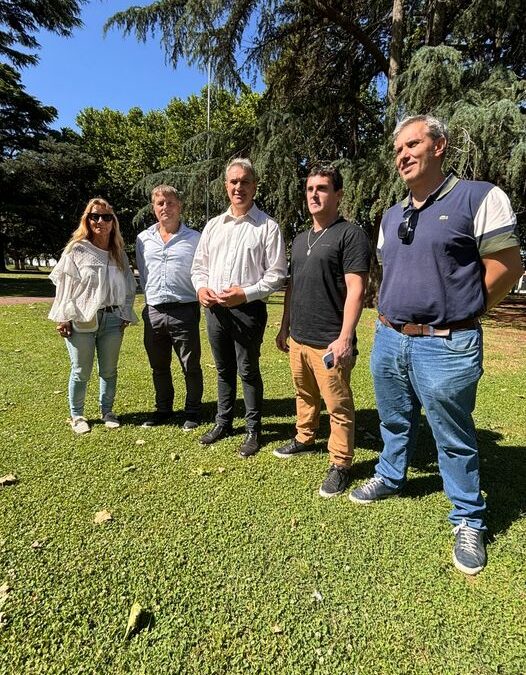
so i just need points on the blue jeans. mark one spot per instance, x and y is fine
(441, 375)
(107, 340)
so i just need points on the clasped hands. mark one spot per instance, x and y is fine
(230, 297)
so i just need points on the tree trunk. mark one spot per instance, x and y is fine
(436, 20)
(375, 274)
(395, 56)
(3, 267)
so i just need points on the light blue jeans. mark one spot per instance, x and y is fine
(441, 375)
(107, 340)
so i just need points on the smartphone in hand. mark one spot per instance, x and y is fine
(328, 360)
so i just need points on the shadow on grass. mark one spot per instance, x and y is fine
(502, 475)
(502, 468)
(31, 285)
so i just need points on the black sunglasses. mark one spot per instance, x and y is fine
(106, 217)
(406, 229)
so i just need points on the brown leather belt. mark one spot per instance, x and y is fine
(421, 329)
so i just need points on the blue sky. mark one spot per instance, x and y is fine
(118, 72)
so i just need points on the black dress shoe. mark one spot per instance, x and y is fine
(250, 445)
(216, 433)
(158, 417)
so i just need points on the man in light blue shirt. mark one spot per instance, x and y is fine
(165, 252)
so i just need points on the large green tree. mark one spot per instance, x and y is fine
(24, 121)
(339, 74)
(136, 151)
(21, 19)
(45, 192)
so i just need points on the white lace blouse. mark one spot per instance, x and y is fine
(88, 279)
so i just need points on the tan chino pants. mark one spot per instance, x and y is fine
(312, 381)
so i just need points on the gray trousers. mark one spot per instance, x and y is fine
(174, 325)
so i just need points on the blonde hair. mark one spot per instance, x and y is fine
(83, 231)
(165, 190)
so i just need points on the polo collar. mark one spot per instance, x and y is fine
(442, 190)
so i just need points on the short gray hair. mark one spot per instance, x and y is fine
(244, 162)
(435, 127)
(166, 190)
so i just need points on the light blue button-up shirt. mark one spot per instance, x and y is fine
(164, 268)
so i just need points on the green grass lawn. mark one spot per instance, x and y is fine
(33, 284)
(241, 565)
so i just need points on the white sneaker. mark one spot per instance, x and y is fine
(80, 425)
(110, 421)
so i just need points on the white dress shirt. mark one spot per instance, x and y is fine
(248, 251)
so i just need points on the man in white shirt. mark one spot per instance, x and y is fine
(171, 315)
(239, 261)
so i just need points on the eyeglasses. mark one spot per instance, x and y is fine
(95, 217)
(406, 229)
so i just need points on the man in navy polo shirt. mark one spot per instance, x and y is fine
(449, 253)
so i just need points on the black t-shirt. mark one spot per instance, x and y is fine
(318, 280)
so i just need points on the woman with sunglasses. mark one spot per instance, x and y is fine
(93, 305)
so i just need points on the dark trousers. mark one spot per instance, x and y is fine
(235, 337)
(174, 325)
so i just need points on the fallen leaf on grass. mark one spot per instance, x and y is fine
(8, 479)
(221, 469)
(317, 596)
(293, 523)
(102, 516)
(277, 630)
(201, 472)
(138, 619)
(174, 456)
(140, 441)
(17, 351)
(130, 467)
(5, 589)
(57, 391)
(37, 544)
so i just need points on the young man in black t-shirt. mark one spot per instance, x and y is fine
(323, 303)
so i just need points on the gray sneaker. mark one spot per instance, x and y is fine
(372, 491)
(469, 552)
(80, 425)
(110, 421)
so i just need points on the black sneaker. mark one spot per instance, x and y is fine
(469, 553)
(216, 433)
(250, 445)
(293, 448)
(337, 481)
(158, 418)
